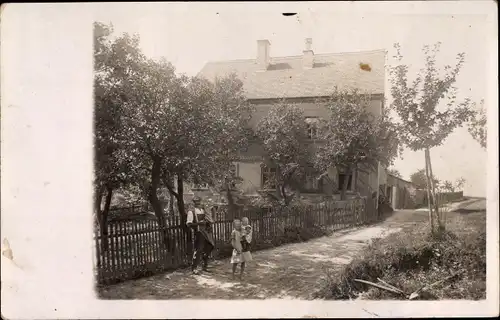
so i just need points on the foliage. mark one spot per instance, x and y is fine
(113, 65)
(477, 126)
(419, 180)
(155, 128)
(283, 133)
(129, 196)
(412, 258)
(394, 172)
(428, 109)
(459, 183)
(423, 123)
(352, 137)
(449, 186)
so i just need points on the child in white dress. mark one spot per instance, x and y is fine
(237, 256)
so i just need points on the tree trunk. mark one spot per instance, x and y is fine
(103, 219)
(156, 203)
(169, 182)
(183, 214)
(171, 205)
(283, 194)
(429, 205)
(230, 201)
(99, 193)
(180, 199)
(440, 222)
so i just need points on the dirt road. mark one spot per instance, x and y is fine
(290, 271)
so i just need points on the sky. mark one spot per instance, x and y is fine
(191, 34)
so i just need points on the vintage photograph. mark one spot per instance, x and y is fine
(293, 155)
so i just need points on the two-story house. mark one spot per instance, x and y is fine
(302, 80)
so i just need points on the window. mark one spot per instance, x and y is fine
(342, 177)
(312, 124)
(268, 177)
(312, 183)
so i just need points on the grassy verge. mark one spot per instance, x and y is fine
(412, 258)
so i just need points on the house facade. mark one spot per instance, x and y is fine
(302, 80)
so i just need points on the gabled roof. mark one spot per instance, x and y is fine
(286, 77)
(398, 178)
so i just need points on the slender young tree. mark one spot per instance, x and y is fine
(428, 110)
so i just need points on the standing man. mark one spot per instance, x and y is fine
(201, 222)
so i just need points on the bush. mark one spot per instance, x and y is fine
(413, 258)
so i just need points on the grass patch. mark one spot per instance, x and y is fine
(413, 258)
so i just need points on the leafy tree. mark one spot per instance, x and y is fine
(216, 128)
(477, 126)
(449, 186)
(353, 138)
(151, 116)
(154, 127)
(424, 121)
(183, 129)
(394, 172)
(113, 64)
(283, 132)
(459, 184)
(419, 180)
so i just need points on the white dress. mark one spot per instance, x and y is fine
(245, 256)
(236, 238)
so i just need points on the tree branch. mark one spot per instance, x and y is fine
(169, 186)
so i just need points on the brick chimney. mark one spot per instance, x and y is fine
(263, 58)
(308, 59)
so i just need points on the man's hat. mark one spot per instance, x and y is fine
(196, 199)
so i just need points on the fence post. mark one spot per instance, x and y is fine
(98, 256)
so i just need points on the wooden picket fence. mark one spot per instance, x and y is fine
(135, 248)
